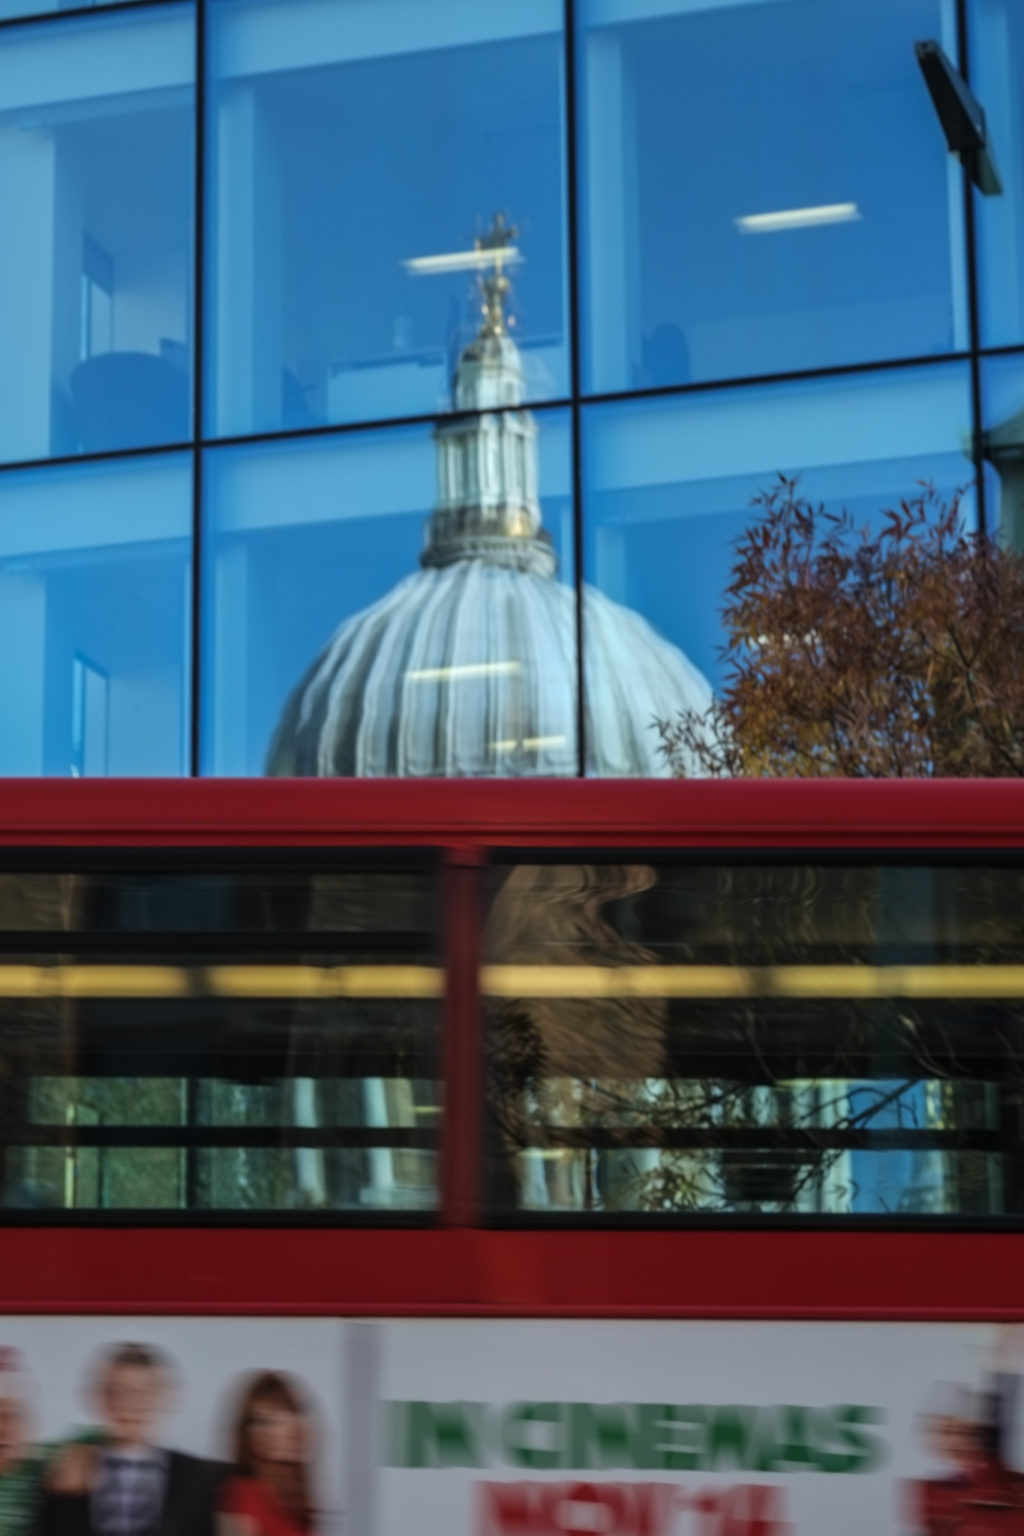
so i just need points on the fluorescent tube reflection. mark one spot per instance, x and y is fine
(466, 669)
(462, 261)
(797, 218)
(528, 743)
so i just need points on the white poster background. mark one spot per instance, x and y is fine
(350, 1368)
(894, 1366)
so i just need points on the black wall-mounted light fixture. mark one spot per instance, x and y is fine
(961, 116)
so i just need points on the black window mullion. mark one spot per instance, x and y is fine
(198, 311)
(573, 269)
(973, 300)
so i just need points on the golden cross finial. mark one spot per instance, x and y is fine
(495, 286)
(500, 235)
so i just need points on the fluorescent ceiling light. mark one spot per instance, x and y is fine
(467, 669)
(463, 261)
(797, 218)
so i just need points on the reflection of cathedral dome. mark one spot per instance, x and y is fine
(469, 667)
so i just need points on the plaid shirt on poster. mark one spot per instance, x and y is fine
(129, 1493)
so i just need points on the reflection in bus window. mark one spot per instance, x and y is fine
(789, 1039)
(219, 1040)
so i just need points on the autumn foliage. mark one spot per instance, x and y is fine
(890, 650)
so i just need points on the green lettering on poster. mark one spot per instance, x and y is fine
(856, 1447)
(668, 1437)
(730, 1439)
(533, 1436)
(599, 1436)
(440, 1434)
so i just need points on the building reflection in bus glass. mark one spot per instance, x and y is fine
(836, 1039)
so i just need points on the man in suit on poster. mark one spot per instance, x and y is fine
(126, 1484)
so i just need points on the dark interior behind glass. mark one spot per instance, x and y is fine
(181, 1037)
(787, 1039)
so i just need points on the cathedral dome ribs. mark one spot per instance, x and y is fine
(469, 667)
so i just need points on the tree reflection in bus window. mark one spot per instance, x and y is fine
(772, 1040)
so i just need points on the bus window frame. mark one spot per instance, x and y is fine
(467, 1264)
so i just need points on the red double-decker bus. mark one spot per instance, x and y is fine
(518, 1108)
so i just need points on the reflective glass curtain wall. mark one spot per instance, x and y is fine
(319, 315)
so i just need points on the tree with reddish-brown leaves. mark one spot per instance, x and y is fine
(885, 651)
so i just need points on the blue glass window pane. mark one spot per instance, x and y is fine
(329, 650)
(997, 78)
(96, 167)
(1003, 446)
(12, 8)
(360, 149)
(765, 188)
(94, 618)
(668, 488)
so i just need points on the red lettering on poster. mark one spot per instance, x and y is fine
(743, 1509)
(576, 1509)
(628, 1509)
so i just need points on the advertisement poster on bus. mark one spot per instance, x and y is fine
(474, 1427)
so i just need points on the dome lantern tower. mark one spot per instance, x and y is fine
(469, 668)
(487, 506)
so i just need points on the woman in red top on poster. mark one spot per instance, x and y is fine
(268, 1493)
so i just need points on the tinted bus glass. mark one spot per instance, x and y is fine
(222, 1040)
(788, 1039)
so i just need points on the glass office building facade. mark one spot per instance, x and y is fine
(242, 258)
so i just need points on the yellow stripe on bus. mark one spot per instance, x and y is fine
(323, 982)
